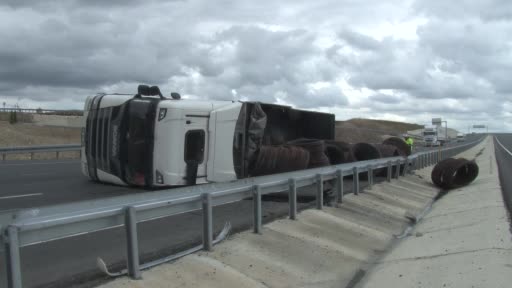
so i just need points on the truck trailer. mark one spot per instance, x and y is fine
(148, 140)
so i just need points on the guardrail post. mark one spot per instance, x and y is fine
(132, 242)
(370, 176)
(389, 170)
(397, 172)
(12, 256)
(207, 221)
(57, 154)
(3, 157)
(339, 186)
(319, 191)
(256, 200)
(355, 180)
(292, 199)
(31, 155)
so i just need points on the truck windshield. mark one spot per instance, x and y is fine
(137, 156)
(429, 133)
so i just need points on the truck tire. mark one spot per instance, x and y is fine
(316, 151)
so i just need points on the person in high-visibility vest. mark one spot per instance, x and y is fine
(409, 142)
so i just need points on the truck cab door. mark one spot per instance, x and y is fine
(222, 130)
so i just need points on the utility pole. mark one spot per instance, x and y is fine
(446, 130)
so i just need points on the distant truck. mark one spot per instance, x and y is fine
(150, 141)
(461, 137)
(433, 136)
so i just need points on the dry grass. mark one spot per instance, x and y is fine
(26, 134)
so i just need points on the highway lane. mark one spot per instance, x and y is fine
(27, 184)
(71, 261)
(503, 148)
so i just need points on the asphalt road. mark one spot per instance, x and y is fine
(72, 261)
(503, 148)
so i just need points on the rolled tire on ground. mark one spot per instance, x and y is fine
(279, 159)
(453, 173)
(316, 148)
(400, 144)
(437, 173)
(466, 174)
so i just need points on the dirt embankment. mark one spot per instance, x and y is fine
(370, 131)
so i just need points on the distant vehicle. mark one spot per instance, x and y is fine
(461, 137)
(153, 141)
(434, 135)
(430, 136)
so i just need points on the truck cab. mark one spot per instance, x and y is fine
(430, 136)
(155, 141)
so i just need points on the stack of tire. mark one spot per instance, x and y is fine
(454, 173)
(316, 149)
(279, 159)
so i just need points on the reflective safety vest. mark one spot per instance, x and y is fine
(409, 141)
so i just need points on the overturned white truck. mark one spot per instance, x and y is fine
(148, 140)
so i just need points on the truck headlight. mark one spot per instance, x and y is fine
(162, 113)
(159, 177)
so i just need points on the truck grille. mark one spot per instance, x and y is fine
(97, 138)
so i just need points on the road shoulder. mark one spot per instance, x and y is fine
(465, 240)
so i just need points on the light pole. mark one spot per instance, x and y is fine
(446, 130)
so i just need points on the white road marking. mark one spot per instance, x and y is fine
(34, 174)
(45, 163)
(503, 146)
(20, 196)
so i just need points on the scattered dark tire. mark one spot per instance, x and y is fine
(365, 151)
(348, 156)
(453, 173)
(437, 173)
(466, 174)
(279, 159)
(400, 144)
(317, 157)
(387, 150)
(334, 153)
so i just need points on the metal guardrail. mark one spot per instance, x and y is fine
(39, 149)
(28, 110)
(33, 226)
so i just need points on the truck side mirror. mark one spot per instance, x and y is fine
(143, 90)
(175, 96)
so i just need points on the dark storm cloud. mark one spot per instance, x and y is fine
(457, 62)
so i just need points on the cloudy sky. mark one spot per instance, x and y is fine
(396, 60)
